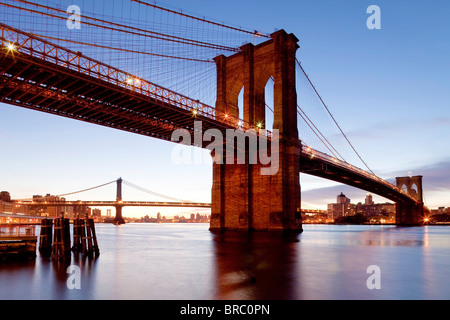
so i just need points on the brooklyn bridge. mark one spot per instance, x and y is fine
(45, 72)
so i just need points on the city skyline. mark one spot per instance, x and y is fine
(386, 88)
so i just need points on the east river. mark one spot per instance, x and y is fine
(187, 261)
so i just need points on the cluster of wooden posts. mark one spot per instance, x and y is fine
(57, 243)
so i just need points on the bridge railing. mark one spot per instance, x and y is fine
(312, 153)
(38, 48)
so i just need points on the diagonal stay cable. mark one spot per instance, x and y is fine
(121, 28)
(319, 134)
(325, 106)
(316, 131)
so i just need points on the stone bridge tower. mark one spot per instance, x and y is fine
(410, 214)
(243, 198)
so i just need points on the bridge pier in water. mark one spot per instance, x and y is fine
(242, 197)
(410, 213)
(119, 218)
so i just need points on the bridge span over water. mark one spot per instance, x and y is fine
(39, 75)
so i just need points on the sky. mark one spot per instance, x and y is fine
(388, 88)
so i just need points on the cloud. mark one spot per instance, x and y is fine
(436, 178)
(442, 121)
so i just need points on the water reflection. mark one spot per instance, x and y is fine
(258, 265)
(170, 261)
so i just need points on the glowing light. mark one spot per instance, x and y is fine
(194, 112)
(226, 115)
(239, 123)
(129, 81)
(11, 47)
(259, 125)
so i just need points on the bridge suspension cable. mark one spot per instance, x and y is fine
(152, 192)
(315, 130)
(319, 134)
(255, 33)
(84, 190)
(75, 192)
(332, 117)
(165, 46)
(121, 27)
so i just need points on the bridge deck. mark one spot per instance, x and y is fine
(42, 76)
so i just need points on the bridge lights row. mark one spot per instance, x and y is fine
(133, 81)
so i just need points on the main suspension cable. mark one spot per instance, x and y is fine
(116, 26)
(70, 193)
(152, 192)
(325, 106)
(255, 33)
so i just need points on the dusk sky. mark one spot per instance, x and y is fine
(388, 88)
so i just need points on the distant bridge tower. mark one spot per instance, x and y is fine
(242, 198)
(119, 219)
(409, 214)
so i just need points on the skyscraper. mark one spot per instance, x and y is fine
(368, 201)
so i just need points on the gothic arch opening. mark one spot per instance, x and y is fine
(404, 188)
(414, 191)
(240, 103)
(269, 104)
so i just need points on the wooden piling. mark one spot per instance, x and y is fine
(94, 238)
(77, 245)
(90, 244)
(45, 238)
(61, 239)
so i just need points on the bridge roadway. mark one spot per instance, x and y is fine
(39, 75)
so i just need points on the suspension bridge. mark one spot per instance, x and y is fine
(61, 202)
(258, 86)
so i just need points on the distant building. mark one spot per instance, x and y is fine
(375, 212)
(371, 209)
(96, 213)
(49, 211)
(368, 201)
(5, 196)
(6, 205)
(55, 211)
(341, 208)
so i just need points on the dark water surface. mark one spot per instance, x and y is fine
(186, 261)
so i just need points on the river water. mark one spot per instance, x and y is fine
(188, 262)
